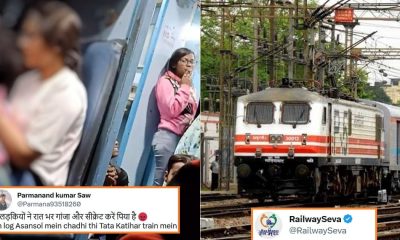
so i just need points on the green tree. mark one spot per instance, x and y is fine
(377, 93)
(239, 38)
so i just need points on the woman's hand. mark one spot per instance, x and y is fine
(111, 176)
(187, 78)
(14, 141)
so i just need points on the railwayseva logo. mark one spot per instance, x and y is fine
(268, 225)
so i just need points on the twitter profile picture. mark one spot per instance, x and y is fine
(5, 200)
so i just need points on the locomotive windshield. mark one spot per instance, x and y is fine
(295, 113)
(260, 113)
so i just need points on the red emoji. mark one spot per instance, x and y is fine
(142, 216)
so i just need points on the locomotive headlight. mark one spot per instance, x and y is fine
(272, 138)
(243, 170)
(304, 139)
(247, 141)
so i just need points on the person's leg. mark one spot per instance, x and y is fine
(164, 144)
(214, 183)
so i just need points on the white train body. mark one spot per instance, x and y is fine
(392, 134)
(284, 136)
(324, 130)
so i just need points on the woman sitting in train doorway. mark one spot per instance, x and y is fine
(50, 100)
(177, 105)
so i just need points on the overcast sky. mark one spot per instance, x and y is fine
(388, 35)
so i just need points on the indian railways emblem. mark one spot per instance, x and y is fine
(268, 225)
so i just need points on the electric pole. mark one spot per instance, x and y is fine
(255, 47)
(271, 64)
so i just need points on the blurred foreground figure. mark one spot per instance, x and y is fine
(49, 101)
(188, 178)
(10, 67)
(10, 59)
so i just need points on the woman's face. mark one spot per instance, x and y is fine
(36, 53)
(115, 151)
(185, 64)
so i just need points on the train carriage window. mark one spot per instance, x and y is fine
(345, 124)
(295, 113)
(336, 121)
(350, 122)
(260, 113)
(324, 116)
(378, 127)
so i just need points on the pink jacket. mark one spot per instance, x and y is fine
(171, 105)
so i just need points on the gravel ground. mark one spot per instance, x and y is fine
(226, 222)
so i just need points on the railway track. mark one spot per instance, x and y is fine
(244, 209)
(389, 222)
(209, 197)
(389, 210)
(233, 233)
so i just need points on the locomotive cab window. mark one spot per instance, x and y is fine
(260, 113)
(295, 113)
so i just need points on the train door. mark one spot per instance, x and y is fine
(335, 134)
(398, 142)
(345, 137)
(378, 134)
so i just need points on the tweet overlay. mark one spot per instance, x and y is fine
(313, 223)
(89, 210)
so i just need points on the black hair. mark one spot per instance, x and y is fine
(11, 63)
(177, 158)
(188, 178)
(122, 179)
(61, 27)
(175, 57)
